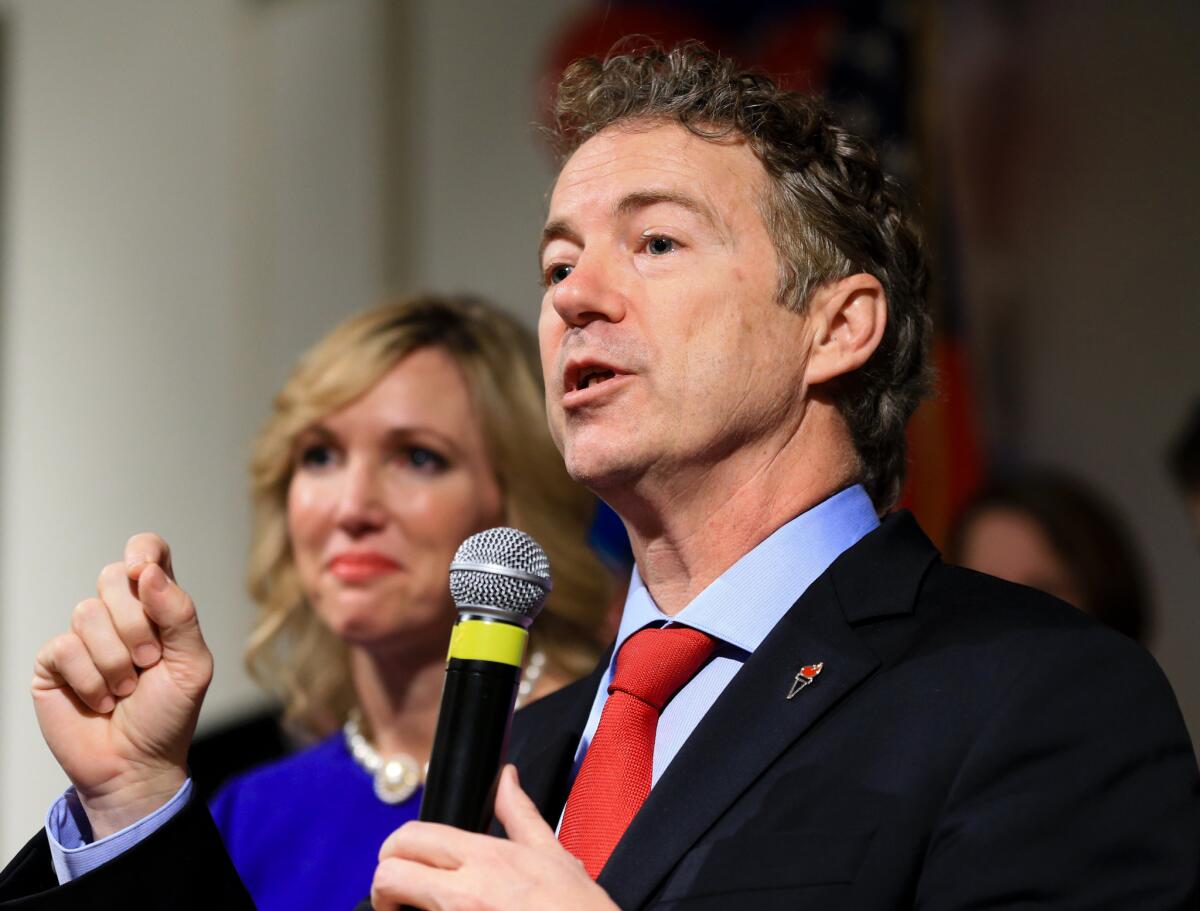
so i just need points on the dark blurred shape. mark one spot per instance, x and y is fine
(1053, 532)
(1184, 456)
(1184, 461)
(234, 747)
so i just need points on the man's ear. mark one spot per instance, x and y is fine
(848, 318)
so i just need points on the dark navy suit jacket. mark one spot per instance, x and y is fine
(968, 744)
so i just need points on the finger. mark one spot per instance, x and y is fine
(65, 659)
(128, 614)
(143, 549)
(171, 609)
(404, 882)
(427, 843)
(93, 624)
(517, 813)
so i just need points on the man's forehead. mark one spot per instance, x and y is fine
(656, 159)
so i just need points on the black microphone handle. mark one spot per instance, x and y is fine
(470, 743)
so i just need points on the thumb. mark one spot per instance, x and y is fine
(172, 611)
(517, 813)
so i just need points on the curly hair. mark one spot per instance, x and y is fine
(291, 652)
(830, 211)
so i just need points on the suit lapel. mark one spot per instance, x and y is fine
(545, 773)
(546, 736)
(753, 722)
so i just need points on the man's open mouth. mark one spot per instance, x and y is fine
(592, 376)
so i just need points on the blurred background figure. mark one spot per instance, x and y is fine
(611, 544)
(1184, 459)
(1054, 533)
(404, 431)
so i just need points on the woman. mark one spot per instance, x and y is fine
(407, 429)
(1054, 533)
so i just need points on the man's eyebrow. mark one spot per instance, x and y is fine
(640, 199)
(557, 230)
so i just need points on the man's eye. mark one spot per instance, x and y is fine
(558, 273)
(659, 245)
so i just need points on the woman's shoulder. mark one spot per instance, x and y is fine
(307, 774)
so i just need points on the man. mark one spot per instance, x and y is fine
(804, 706)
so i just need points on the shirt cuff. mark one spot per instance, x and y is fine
(70, 833)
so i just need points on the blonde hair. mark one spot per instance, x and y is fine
(290, 651)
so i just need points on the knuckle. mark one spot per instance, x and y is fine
(63, 648)
(198, 674)
(187, 608)
(377, 896)
(85, 612)
(383, 885)
(112, 574)
(464, 901)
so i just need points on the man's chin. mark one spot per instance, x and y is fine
(600, 467)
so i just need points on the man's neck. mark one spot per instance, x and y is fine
(687, 532)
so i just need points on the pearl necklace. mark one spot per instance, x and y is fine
(397, 777)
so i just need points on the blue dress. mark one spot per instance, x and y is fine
(304, 832)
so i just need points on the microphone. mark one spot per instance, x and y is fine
(499, 580)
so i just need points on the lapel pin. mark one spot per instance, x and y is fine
(804, 677)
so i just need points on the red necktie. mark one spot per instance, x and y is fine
(652, 666)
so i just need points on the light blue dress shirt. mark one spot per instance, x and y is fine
(738, 609)
(70, 835)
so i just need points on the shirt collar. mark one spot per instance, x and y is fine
(746, 601)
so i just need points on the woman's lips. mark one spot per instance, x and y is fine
(361, 567)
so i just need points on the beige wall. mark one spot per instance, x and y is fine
(191, 197)
(195, 192)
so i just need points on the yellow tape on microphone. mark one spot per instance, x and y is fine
(484, 640)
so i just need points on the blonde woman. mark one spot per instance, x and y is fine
(404, 431)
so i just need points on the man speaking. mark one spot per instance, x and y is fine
(804, 706)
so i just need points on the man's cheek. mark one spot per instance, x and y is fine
(554, 419)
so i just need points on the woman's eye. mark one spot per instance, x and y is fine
(559, 272)
(659, 245)
(424, 459)
(317, 455)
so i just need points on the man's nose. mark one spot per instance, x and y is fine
(593, 291)
(360, 505)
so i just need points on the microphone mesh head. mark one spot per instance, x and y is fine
(477, 577)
